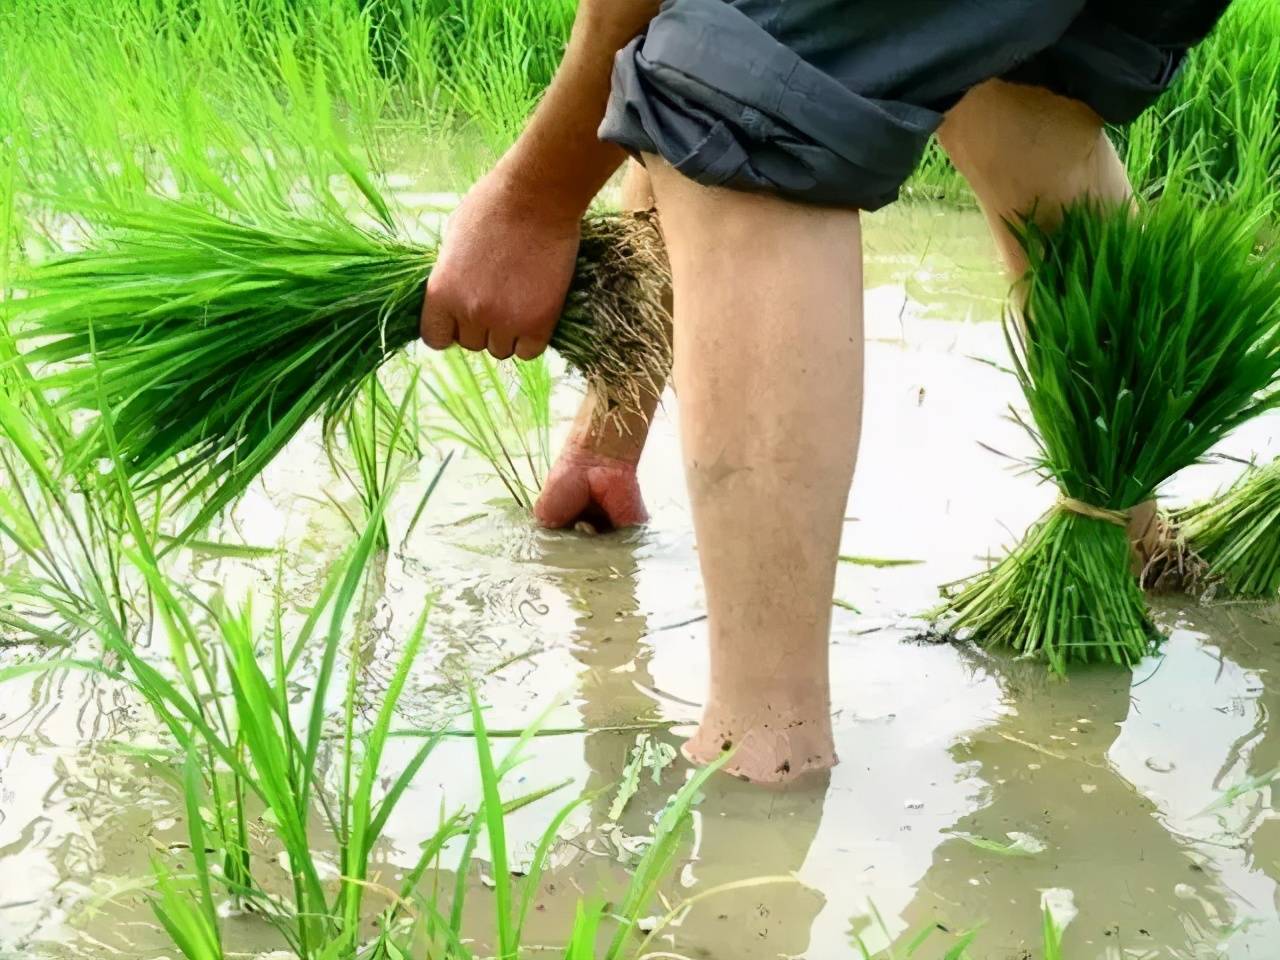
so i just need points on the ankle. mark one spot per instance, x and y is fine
(767, 745)
(771, 708)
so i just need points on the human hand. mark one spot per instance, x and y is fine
(585, 485)
(500, 281)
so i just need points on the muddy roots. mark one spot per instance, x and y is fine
(1165, 561)
(1236, 537)
(616, 329)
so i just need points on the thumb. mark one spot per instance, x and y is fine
(564, 498)
(436, 325)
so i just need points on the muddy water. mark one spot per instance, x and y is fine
(1104, 779)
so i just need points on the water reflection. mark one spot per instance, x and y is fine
(1046, 773)
(1112, 775)
(742, 831)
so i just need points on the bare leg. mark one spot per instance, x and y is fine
(594, 478)
(768, 347)
(1026, 150)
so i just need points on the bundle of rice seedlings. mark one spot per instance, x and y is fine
(1146, 338)
(209, 339)
(1237, 534)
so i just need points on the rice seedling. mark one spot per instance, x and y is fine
(1251, 785)
(1052, 935)
(227, 706)
(380, 438)
(1018, 845)
(1222, 114)
(1147, 338)
(250, 756)
(240, 745)
(468, 73)
(491, 60)
(1237, 534)
(59, 542)
(957, 949)
(211, 339)
(873, 926)
(501, 412)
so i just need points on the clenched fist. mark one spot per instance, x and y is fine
(500, 281)
(586, 485)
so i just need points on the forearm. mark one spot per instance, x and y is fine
(558, 161)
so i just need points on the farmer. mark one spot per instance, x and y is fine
(762, 128)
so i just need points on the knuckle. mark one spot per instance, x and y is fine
(437, 329)
(530, 349)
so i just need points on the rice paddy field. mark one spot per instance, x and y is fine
(368, 709)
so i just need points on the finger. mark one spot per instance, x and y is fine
(437, 326)
(527, 348)
(563, 499)
(472, 336)
(501, 345)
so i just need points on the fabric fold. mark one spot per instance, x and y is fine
(832, 102)
(726, 104)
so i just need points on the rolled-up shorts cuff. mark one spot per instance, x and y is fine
(723, 91)
(1120, 57)
(726, 104)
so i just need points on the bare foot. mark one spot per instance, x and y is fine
(768, 748)
(586, 486)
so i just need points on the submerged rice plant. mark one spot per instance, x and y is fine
(921, 944)
(250, 757)
(1147, 338)
(1237, 534)
(211, 339)
(500, 411)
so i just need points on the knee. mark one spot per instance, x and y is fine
(1021, 145)
(1000, 126)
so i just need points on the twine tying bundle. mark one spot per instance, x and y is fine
(1162, 560)
(1071, 505)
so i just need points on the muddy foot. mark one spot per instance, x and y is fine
(768, 752)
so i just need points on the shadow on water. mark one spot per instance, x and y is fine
(1046, 775)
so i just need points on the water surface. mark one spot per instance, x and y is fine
(1102, 780)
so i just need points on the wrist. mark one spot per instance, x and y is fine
(537, 186)
(619, 438)
(605, 445)
(525, 195)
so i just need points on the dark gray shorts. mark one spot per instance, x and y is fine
(833, 101)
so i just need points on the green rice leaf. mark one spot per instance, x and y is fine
(208, 340)
(1135, 360)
